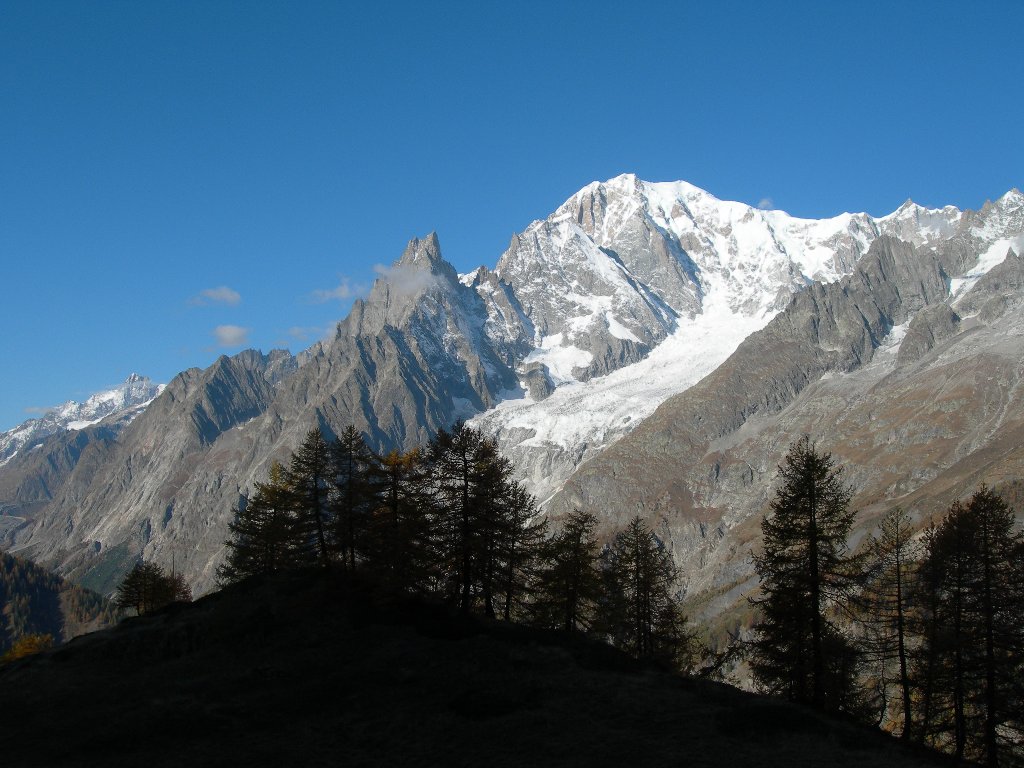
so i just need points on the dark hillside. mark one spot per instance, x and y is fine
(35, 601)
(301, 670)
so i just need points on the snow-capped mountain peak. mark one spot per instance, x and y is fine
(629, 294)
(637, 289)
(127, 399)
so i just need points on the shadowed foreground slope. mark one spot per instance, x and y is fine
(300, 671)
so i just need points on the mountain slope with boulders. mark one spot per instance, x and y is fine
(632, 295)
(309, 669)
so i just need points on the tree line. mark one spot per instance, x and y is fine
(448, 519)
(36, 603)
(921, 633)
(147, 587)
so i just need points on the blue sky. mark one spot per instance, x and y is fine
(171, 169)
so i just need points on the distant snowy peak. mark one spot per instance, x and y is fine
(127, 399)
(1000, 220)
(615, 269)
(135, 391)
(681, 243)
(632, 291)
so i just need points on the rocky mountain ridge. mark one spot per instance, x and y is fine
(124, 402)
(914, 388)
(627, 296)
(742, 265)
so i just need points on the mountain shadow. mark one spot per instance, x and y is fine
(306, 669)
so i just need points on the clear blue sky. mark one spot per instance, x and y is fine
(269, 153)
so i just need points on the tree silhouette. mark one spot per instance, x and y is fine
(642, 614)
(467, 473)
(975, 650)
(262, 533)
(893, 561)
(519, 548)
(356, 479)
(805, 570)
(400, 533)
(309, 479)
(147, 588)
(569, 583)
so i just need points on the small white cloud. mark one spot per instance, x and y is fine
(344, 290)
(312, 332)
(766, 204)
(231, 335)
(219, 295)
(36, 410)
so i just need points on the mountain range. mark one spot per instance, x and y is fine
(126, 401)
(647, 348)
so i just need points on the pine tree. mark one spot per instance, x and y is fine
(262, 533)
(926, 624)
(519, 549)
(147, 588)
(975, 649)
(996, 608)
(569, 585)
(894, 554)
(356, 480)
(642, 614)
(806, 572)
(309, 479)
(467, 473)
(400, 538)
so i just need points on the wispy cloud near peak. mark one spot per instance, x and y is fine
(231, 336)
(344, 290)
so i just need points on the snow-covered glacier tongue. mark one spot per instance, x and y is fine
(632, 291)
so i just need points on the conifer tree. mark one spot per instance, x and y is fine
(975, 652)
(642, 614)
(569, 585)
(519, 548)
(806, 572)
(494, 526)
(147, 587)
(400, 535)
(356, 478)
(995, 603)
(262, 533)
(893, 554)
(926, 625)
(467, 473)
(309, 480)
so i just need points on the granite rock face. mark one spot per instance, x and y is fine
(746, 327)
(411, 358)
(915, 390)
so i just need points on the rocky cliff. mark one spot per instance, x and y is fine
(630, 296)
